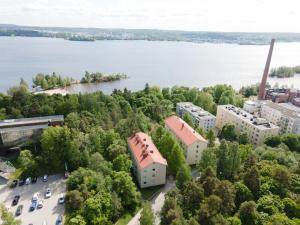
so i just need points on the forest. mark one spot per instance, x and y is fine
(239, 184)
(284, 71)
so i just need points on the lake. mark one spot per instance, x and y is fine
(158, 63)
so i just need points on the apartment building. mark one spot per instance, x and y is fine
(257, 129)
(284, 115)
(192, 143)
(201, 118)
(149, 166)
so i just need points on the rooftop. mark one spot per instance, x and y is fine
(144, 150)
(286, 109)
(182, 130)
(195, 110)
(249, 118)
(30, 121)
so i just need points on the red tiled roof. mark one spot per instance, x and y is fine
(144, 151)
(182, 130)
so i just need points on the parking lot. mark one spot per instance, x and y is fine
(51, 209)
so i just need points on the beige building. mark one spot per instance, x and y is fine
(257, 129)
(192, 143)
(148, 165)
(284, 115)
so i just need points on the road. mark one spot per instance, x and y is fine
(51, 208)
(158, 200)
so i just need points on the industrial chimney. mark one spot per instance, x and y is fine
(262, 86)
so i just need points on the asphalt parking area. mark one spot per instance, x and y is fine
(51, 209)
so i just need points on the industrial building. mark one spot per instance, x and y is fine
(192, 143)
(17, 132)
(201, 118)
(149, 166)
(257, 129)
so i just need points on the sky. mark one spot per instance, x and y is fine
(196, 15)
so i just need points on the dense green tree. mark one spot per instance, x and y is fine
(211, 137)
(74, 200)
(273, 141)
(225, 190)
(242, 194)
(77, 220)
(183, 175)
(192, 196)
(208, 159)
(122, 163)
(243, 139)
(147, 215)
(248, 213)
(270, 204)
(228, 132)
(291, 208)
(252, 180)
(188, 119)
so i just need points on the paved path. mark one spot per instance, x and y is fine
(158, 201)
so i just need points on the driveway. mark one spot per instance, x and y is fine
(158, 200)
(51, 208)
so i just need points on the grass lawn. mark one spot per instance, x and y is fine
(147, 193)
(124, 219)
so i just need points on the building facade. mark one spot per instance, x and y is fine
(149, 166)
(192, 143)
(15, 132)
(201, 118)
(284, 115)
(257, 129)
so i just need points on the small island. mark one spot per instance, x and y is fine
(52, 81)
(81, 38)
(285, 71)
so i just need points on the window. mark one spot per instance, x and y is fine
(153, 169)
(153, 175)
(197, 146)
(145, 182)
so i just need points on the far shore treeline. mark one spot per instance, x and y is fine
(285, 71)
(50, 81)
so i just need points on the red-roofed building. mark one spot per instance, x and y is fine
(192, 143)
(149, 165)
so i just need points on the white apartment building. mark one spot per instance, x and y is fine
(149, 166)
(201, 118)
(257, 129)
(192, 143)
(284, 115)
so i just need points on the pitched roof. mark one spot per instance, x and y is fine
(144, 150)
(182, 130)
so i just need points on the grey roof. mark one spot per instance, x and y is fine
(195, 110)
(29, 121)
(286, 109)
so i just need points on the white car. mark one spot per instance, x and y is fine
(35, 197)
(48, 193)
(28, 181)
(61, 199)
(40, 204)
(45, 178)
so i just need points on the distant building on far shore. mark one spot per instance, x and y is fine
(149, 166)
(17, 132)
(201, 118)
(192, 143)
(257, 129)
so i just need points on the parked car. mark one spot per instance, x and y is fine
(33, 205)
(28, 181)
(16, 200)
(21, 182)
(13, 184)
(59, 220)
(34, 180)
(19, 210)
(40, 204)
(45, 178)
(48, 193)
(61, 199)
(35, 197)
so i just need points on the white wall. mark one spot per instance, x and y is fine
(194, 152)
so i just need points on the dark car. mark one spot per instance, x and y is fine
(16, 200)
(22, 182)
(34, 179)
(33, 205)
(19, 210)
(14, 183)
(59, 220)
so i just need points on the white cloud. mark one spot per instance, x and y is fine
(229, 15)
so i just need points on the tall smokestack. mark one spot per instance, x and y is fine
(262, 87)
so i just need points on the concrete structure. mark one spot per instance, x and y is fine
(262, 87)
(280, 95)
(251, 106)
(149, 166)
(192, 143)
(15, 132)
(284, 115)
(201, 118)
(257, 129)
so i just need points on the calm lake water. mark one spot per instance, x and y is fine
(158, 63)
